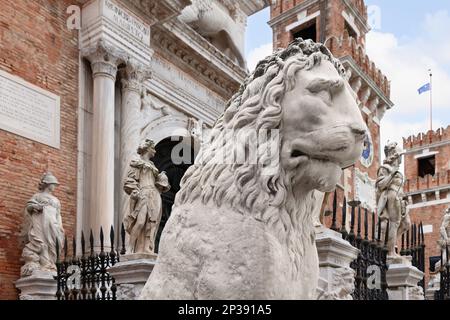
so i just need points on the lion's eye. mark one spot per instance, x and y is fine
(325, 95)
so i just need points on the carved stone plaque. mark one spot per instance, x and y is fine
(127, 22)
(365, 190)
(29, 111)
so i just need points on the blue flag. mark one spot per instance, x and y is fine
(425, 88)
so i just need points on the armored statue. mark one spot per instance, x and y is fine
(392, 210)
(144, 185)
(42, 228)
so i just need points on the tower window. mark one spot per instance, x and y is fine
(427, 166)
(351, 32)
(306, 31)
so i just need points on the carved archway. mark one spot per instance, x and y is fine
(164, 162)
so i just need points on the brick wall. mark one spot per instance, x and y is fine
(36, 46)
(430, 141)
(430, 215)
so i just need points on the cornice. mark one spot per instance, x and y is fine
(202, 46)
(359, 72)
(203, 60)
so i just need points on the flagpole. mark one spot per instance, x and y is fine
(431, 100)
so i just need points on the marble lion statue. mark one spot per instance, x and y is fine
(239, 231)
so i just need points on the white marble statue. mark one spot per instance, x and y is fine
(445, 233)
(240, 231)
(144, 185)
(42, 228)
(391, 208)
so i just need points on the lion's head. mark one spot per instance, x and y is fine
(301, 92)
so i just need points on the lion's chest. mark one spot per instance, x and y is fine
(230, 255)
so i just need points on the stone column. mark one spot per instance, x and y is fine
(133, 76)
(336, 280)
(104, 61)
(402, 279)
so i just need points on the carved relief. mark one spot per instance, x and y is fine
(340, 288)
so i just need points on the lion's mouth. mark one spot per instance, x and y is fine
(296, 153)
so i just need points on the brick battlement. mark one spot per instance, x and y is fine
(440, 179)
(347, 45)
(424, 139)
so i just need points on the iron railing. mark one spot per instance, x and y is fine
(86, 277)
(444, 272)
(372, 250)
(415, 247)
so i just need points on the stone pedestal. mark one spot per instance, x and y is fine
(131, 274)
(39, 286)
(434, 285)
(402, 279)
(336, 280)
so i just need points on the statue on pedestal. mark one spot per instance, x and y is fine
(391, 207)
(42, 228)
(445, 232)
(144, 185)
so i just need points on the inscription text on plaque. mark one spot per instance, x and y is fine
(29, 111)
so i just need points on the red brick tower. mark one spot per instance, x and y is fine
(427, 170)
(342, 25)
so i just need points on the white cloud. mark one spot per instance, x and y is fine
(393, 130)
(257, 55)
(406, 62)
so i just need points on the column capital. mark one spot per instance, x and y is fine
(133, 75)
(104, 59)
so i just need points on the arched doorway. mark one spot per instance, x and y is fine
(175, 172)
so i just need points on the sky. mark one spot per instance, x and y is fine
(408, 38)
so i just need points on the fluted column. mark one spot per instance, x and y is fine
(104, 61)
(132, 78)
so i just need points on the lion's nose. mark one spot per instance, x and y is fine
(358, 131)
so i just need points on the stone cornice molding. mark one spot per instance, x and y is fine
(133, 75)
(203, 46)
(204, 61)
(104, 59)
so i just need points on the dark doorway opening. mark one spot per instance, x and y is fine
(306, 31)
(427, 166)
(175, 172)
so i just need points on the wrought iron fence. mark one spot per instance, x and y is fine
(372, 250)
(415, 247)
(444, 272)
(86, 277)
